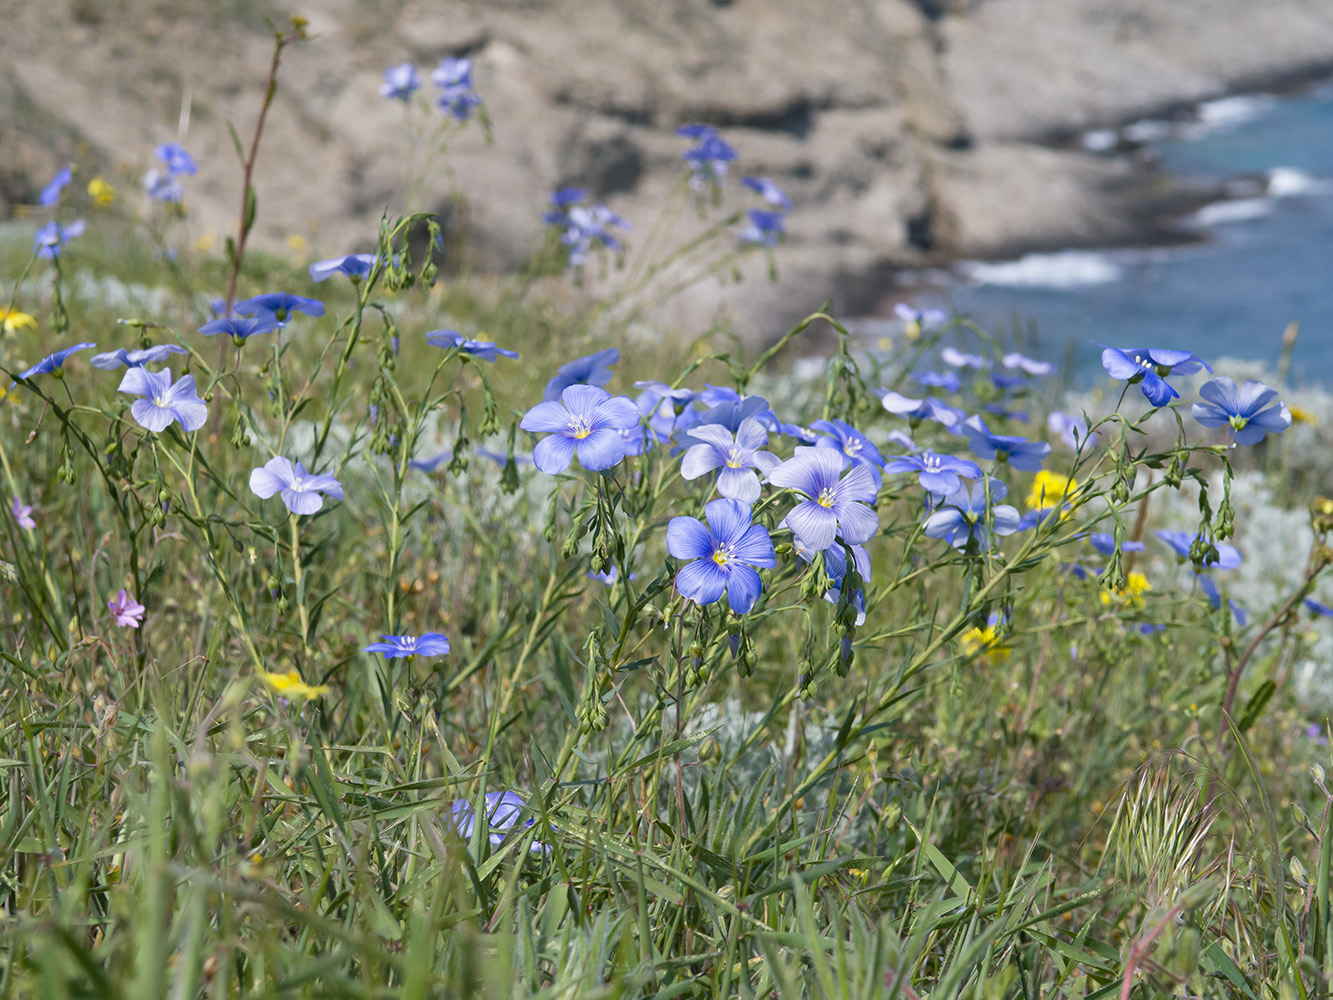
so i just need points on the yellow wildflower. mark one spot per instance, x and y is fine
(101, 192)
(290, 685)
(1300, 415)
(14, 320)
(1050, 489)
(985, 642)
(1136, 585)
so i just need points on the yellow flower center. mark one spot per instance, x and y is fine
(579, 428)
(721, 555)
(734, 460)
(827, 497)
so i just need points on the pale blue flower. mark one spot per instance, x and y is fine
(164, 400)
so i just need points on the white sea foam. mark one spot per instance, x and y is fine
(1066, 269)
(1226, 112)
(1286, 182)
(1225, 212)
(1101, 140)
(1148, 130)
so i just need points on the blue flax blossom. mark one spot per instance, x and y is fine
(400, 82)
(763, 229)
(178, 161)
(724, 555)
(938, 474)
(769, 191)
(1104, 542)
(738, 457)
(1029, 365)
(164, 400)
(1182, 542)
(583, 227)
(54, 364)
(483, 350)
(834, 503)
(50, 240)
(847, 439)
(917, 410)
(278, 306)
(354, 265)
(398, 646)
(709, 159)
(51, 193)
(239, 329)
(1250, 412)
(835, 565)
(1214, 595)
(961, 516)
(456, 97)
(1072, 430)
(1017, 451)
(948, 381)
(955, 357)
(595, 369)
(300, 489)
(1149, 368)
(503, 810)
(586, 420)
(135, 359)
(162, 186)
(1316, 608)
(917, 321)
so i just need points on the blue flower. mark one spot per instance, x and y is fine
(1214, 596)
(1247, 411)
(164, 400)
(400, 82)
(769, 191)
(54, 364)
(503, 810)
(48, 241)
(177, 160)
(160, 185)
(51, 193)
(939, 474)
(1104, 542)
(738, 456)
(955, 357)
(278, 306)
(1072, 430)
(851, 442)
(708, 160)
(300, 490)
(1228, 556)
(835, 565)
(917, 410)
(456, 97)
(1150, 366)
(586, 420)
(947, 381)
(1016, 360)
(961, 516)
(724, 555)
(354, 265)
(239, 329)
(396, 646)
(135, 359)
(1017, 451)
(595, 369)
(917, 321)
(584, 227)
(765, 229)
(1318, 608)
(482, 349)
(834, 503)
(609, 577)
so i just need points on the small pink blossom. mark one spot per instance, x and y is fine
(126, 610)
(23, 512)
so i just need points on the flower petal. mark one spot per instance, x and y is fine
(743, 589)
(738, 484)
(553, 454)
(151, 416)
(699, 460)
(602, 449)
(548, 417)
(814, 526)
(702, 581)
(301, 502)
(687, 538)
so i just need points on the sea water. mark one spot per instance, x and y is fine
(1264, 258)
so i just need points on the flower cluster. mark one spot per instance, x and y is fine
(583, 227)
(163, 183)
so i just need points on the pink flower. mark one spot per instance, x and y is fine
(125, 610)
(23, 512)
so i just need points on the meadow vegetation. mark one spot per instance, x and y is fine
(376, 662)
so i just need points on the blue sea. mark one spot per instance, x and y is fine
(1264, 256)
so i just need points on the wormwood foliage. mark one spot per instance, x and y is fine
(362, 657)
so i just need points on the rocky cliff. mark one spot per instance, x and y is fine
(906, 131)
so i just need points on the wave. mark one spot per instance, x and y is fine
(1286, 182)
(1066, 269)
(1237, 210)
(1228, 112)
